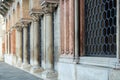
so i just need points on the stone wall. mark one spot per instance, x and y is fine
(71, 71)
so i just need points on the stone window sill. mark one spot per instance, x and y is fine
(100, 61)
(93, 61)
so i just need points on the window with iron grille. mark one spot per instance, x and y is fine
(100, 28)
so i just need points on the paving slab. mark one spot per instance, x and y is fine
(8, 72)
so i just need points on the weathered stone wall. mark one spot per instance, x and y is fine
(68, 70)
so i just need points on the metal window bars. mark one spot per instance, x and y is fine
(100, 28)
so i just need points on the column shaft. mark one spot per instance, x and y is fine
(66, 26)
(62, 26)
(19, 46)
(25, 45)
(49, 41)
(76, 30)
(71, 26)
(36, 43)
(31, 44)
(8, 43)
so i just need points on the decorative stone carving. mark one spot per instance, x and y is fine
(48, 6)
(35, 14)
(19, 29)
(35, 17)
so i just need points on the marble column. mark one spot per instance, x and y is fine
(25, 46)
(19, 46)
(49, 70)
(71, 27)
(8, 43)
(36, 46)
(62, 26)
(76, 31)
(31, 44)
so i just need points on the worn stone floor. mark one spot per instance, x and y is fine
(8, 72)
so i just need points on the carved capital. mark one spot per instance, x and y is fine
(48, 6)
(24, 24)
(35, 14)
(18, 25)
(19, 29)
(35, 17)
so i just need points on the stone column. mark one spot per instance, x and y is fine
(8, 43)
(19, 46)
(76, 31)
(31, 44)
(49, 71)
(25, 46)
(36, 46)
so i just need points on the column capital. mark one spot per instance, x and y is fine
(48, 6)
(19, 29)
(24, 24)
(35, 14)
(35, 17)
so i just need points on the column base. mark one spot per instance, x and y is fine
(26, 66)
(49, 75)
(19, 63)
(36, 69)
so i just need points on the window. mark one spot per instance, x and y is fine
(100, 28)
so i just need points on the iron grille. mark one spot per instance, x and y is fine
(100, 28)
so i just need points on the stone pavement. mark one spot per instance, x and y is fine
(8, 72)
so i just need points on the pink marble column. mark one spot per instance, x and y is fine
(71, 27)
(82, 27)
(66, 26)
(62, 25)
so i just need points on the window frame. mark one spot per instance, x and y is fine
(100, 61)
